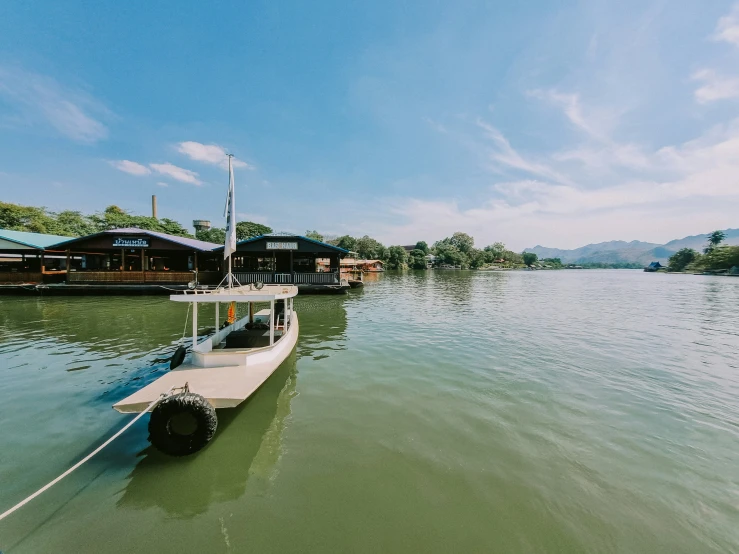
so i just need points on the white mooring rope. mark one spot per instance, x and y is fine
(86, 458)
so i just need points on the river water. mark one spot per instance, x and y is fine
(563, 411)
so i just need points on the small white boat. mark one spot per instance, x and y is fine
(226, 368)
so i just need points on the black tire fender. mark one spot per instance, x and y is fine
(178, 357)
(200, 415)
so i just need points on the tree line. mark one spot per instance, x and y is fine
(70, 223)
(715, 257)
(458, 250)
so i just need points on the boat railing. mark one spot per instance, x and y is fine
(269, 278)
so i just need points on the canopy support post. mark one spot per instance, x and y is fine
(218, 317)
(194, 324)
(271, 322)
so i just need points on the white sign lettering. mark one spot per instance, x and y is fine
(282, 245)
(130, 242)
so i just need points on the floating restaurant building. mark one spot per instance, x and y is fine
(28, 257)
(138, 260)
(138, 256)
(286, 258)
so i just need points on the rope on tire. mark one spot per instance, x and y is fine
(86, 458)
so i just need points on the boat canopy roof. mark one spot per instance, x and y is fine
(245, 293)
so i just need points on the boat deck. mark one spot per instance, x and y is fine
(232, 374)
(223, 387)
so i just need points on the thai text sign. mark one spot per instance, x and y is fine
(282, 245)
(130, 242)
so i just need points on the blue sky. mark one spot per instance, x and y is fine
(553, 123)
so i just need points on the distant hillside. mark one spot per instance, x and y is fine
(619, 251)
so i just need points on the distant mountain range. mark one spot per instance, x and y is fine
(619, 251)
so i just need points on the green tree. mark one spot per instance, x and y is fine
(72, 224)
(462, 241)
(25, 218)
(214, 234)
(721, 257)
(529, 258)
(422, 246)
(681, 259)
(714, 239)
(346, 242)
(476, 258)
(249, 230)
(497, 249)
(449, 254)
(396, 257)
(315, 235)
(114, 217)
(370, 249)
(417, 259)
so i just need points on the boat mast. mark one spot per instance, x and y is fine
(230, 243)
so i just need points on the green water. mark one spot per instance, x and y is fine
(590, 411)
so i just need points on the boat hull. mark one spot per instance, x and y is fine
(223, 386)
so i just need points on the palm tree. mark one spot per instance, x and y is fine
(714, 239)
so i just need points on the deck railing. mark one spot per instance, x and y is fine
(21, 277)
(177, 277)
(269, 278)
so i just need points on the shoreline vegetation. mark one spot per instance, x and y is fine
(715, 258)
(455, 252)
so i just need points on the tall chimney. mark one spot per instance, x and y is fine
(154, 206)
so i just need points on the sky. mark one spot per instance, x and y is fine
(552, 123)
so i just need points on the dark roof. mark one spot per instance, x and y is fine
(184, 241)
(32, 240)
(655, 264)
(283, 235)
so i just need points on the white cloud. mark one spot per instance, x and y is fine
(162, 184)
(727, 29)
(503, 154)
(209, 153)
(37, 98)
(177, 173)
(715, 87)
(127, 166)
(687, 181)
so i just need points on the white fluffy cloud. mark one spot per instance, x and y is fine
(177, 173)
(38, 98)
(727, 29)
(127, 166)
(715, 86)
(209, 153)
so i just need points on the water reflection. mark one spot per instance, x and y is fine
(247, 445)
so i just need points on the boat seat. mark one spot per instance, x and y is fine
(250, 338)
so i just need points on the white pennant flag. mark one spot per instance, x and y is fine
(230, 214)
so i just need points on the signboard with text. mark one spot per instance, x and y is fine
(130, 242)
(282, 245)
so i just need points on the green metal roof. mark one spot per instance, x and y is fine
(32, 240)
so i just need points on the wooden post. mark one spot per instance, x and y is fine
(143, 267)
(292, 275)
(195, 266)
(66, 266)
(250, 307)
(123, 259)
(271, 322)
(43, 264)
(218, 317)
